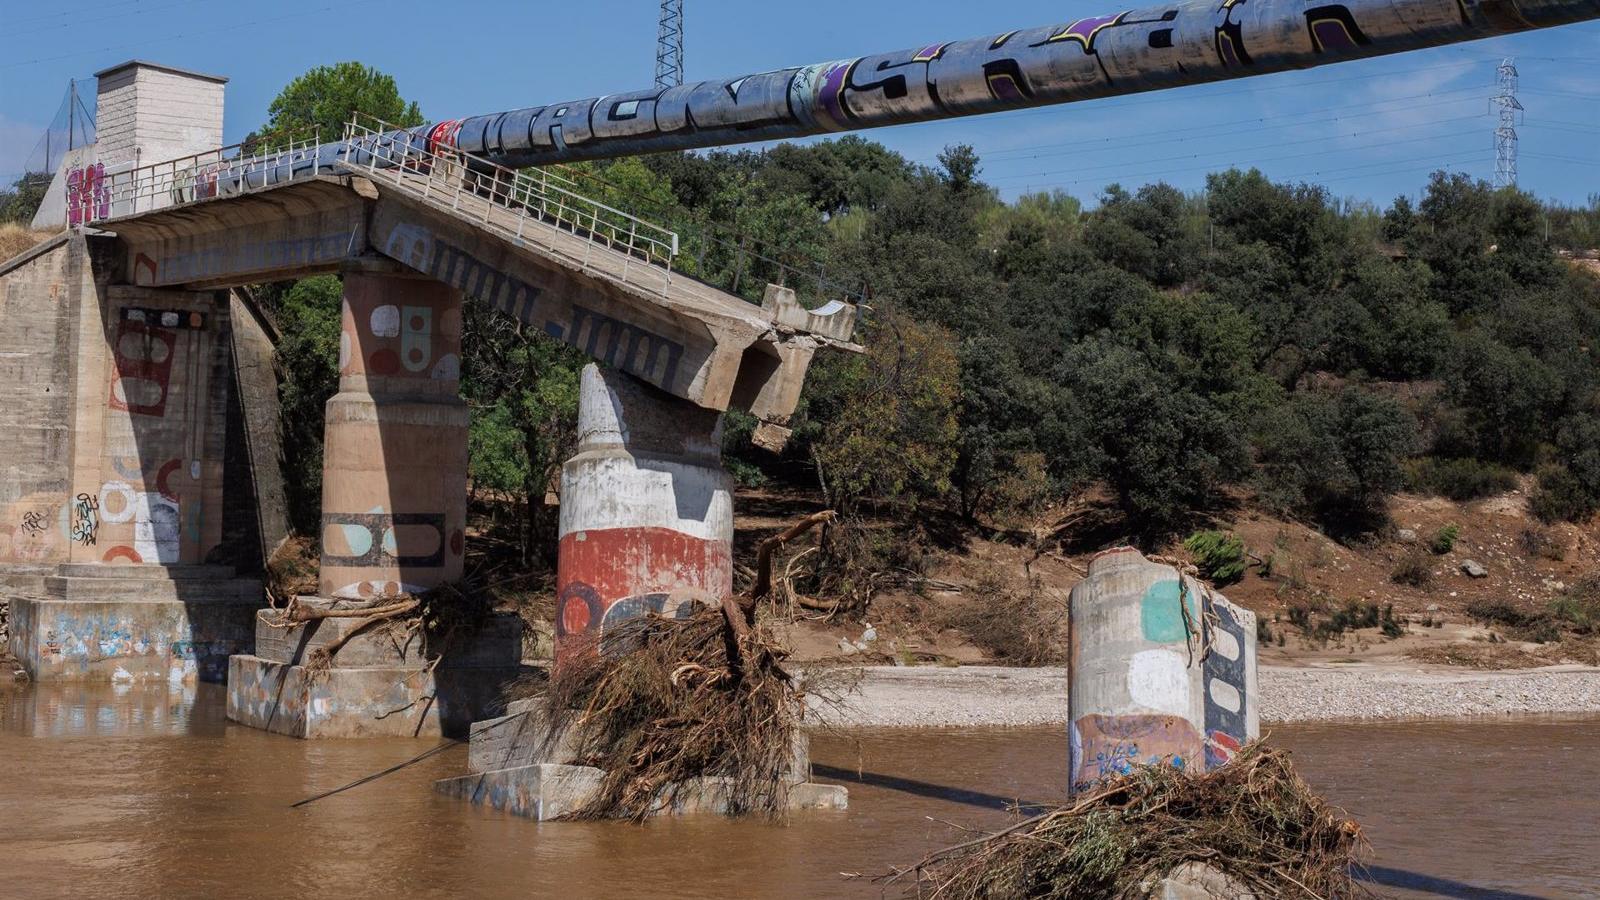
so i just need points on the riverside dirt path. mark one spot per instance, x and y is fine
(992, 696)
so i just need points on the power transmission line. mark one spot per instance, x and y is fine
(1230, 156)
(1505, 135)
(669, 45)
(1184, 135)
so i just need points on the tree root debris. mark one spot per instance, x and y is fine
(658, 703)
(1253, 819)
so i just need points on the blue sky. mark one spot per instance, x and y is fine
(1369, 130)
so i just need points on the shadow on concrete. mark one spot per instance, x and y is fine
(924, 788)
(1443, 887)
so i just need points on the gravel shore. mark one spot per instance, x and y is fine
(989, 696)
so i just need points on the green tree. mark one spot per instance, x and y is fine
(21, 201)
(321, 102)
(1167, 452)
(307, 360)
(883, 425)
(522, 387)
(1335, 457)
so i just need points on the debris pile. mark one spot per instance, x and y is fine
(658, 704)
(665, 702)
(1253, 820)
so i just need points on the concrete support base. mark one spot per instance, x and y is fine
(381, 685)
(546, 791)
(518, 767)
(359, 702)
(134, 623)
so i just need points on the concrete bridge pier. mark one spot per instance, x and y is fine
(394, 506)
(646, 509)
(646, 526)
(394, 471)
(1162, 671)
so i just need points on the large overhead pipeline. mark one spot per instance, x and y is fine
(1102, 56)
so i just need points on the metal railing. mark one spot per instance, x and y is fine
(558, 196)
(201, 176)
(514, 203)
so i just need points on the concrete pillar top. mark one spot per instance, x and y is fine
(617, 411)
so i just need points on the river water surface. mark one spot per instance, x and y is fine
(139, 792)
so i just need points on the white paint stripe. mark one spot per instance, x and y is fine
(1225, 695)
(603, 491)
(1159, 681)
(1225, 643)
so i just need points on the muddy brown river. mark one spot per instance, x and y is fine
(138, 792)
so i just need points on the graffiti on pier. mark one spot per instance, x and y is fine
(85, 519)
(579, 609)
(143, 355)
(1105, 747)
(1097, 56)
(165, 318)
(33, 528)
(156, 520)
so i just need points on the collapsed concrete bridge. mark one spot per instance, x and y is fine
(135, 342)
(140, 405)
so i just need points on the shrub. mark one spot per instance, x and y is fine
(1444, 540)
(1562, 496)
(1579, 607)
(1219, 555)
(1498, 612)
(1392, 627)
(1352, 616)
(1300, 617)
(1414, 570)
(1458, 479)
(1542, 543)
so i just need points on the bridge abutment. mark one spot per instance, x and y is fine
(394, 505)
(114, 494)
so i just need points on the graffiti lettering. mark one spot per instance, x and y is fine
(88, 198)
(85, 519)
(32, 523)
(1097, 56)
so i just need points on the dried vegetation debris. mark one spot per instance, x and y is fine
(1255, 820)
(658, 703)
(667, 701)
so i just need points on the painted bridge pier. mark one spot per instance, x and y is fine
(394, 506)
(646, 509)
(1162, 671)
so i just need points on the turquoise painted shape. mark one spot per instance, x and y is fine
(1161, 616)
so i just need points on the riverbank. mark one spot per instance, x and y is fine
(991, 696)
